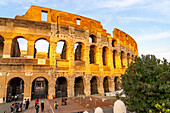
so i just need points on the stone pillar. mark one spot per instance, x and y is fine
(51, 90)
(70, 87)
(7, 48)
(28, 88)
(71, 57)
(30, 49)
(118, 60)
(87, 59)
(87, 89)
(3, 86)
(100, 86)
(99, 59)
(52, 53)
(111, 84)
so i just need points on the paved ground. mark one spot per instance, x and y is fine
(73, 105)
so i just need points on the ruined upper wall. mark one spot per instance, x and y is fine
(125, 39)
(64, 19)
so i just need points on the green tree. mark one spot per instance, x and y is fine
(146, 82)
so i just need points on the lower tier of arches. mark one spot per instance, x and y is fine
(46, 86)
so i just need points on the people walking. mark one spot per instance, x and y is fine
(62, 101)
(65, 101)
(20, 107)
(24, 103)
(55, 105)
(37, 108)
(42, 106)
(27, 104)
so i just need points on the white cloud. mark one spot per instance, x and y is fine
(154, 36)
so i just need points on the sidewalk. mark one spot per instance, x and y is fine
(31, 108)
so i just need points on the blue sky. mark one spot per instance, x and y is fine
(147, 21)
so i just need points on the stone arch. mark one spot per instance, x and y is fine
(61, 87)
(1, 46)
(105, 55)
(92, 39)
(117, 83)
(115, 58)
(62, 49)
(15, 87)
(92, 54)
(94, 82)
(114, 43)
(128, 59)
(106, 84)
(41, 53)
(15, 46)
(79, 49)
(79, 86)
(122, 57)
(39, 88)
(132, 58)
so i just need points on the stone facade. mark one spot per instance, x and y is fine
(98, 55)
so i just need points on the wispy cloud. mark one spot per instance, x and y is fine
(154, 36)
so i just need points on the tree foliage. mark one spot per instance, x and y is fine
(146, 82)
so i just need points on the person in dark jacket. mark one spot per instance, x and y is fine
(42, 106)
(27, 104)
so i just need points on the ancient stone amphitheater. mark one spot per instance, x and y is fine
(91, 61)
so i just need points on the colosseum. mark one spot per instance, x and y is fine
(91, 60)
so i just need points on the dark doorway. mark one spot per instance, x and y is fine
(94, 86)
(79, 86)
(117, 84)
(39, 88)
(106, 84)
(61, 87)
(15, 88)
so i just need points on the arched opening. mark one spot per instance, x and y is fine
(132, 58)
(93, 83)
(105, 56)
(117, 83)
(78, 86)
(114, 43)
(92, 54)
(19, 47)
(92, 39)
(15, 87)
(122, 57)
(41, 49)
(1, 46)
(79, 51)
(106, 84)
(115, 57)
(61, 50)
(61, 87)
(128, 59)
(39, 88)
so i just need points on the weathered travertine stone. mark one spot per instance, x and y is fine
(98, 55)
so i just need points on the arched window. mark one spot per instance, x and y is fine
(61, 50)
(92, 54)
(92, 39)
(1, 46)
(105, 55)
(114, 43)
(122, 57)
(128, 59)
(61, 87)
(41, 49)
(78, 86)
(79, 51)
(115, 57)
(19, 47)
